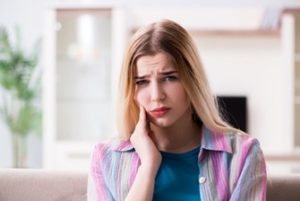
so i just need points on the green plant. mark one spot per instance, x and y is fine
(20, 83)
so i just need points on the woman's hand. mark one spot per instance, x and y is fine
(145, 147)
(143, 186)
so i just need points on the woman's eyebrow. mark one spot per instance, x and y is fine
(161, 73)
(168, 72)
(140, 77)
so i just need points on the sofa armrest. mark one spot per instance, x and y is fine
(283, 187)
(42, 185)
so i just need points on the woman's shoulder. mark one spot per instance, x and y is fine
(229, 140)
(112, 155)
(241, 137)
(240, 140)
(101, 147)
(112, 145)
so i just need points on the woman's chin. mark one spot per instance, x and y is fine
(161, 123)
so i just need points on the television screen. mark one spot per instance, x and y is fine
(234, 110)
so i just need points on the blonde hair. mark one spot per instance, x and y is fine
(170, 38)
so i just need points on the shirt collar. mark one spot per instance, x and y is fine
(212, 141)
(216, 141)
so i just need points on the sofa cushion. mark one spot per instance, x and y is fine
(42, 185)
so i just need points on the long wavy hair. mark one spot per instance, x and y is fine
(168, 37)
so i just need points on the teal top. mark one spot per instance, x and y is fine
(177, 177)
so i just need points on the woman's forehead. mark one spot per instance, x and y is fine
(149, 64)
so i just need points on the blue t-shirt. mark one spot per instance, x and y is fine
(177, 177)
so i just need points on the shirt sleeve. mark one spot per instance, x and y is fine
(97, 189)
(252, 181)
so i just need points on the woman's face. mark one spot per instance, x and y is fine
(159, 90)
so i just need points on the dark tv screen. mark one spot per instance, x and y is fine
(234, 110)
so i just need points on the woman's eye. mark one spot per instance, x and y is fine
(141, 82)
(170, 78)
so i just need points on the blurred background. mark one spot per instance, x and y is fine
(60, 63)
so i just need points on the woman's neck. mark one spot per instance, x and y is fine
(183, 136)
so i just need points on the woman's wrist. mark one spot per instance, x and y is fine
(149, 170)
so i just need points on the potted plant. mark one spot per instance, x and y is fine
(20, 90)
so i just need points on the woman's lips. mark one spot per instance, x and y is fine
(159, 112)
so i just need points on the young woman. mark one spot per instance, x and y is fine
(173, 144)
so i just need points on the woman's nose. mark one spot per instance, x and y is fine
(157, 92)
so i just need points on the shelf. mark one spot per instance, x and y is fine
(291, 10)
(231, 32)
(237, 32)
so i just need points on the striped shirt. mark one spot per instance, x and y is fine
(231, 168)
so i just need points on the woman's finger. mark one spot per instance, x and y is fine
(142, 113)
(143, 118)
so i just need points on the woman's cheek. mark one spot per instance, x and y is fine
(140, 98)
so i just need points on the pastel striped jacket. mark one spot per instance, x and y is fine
(231, 168)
